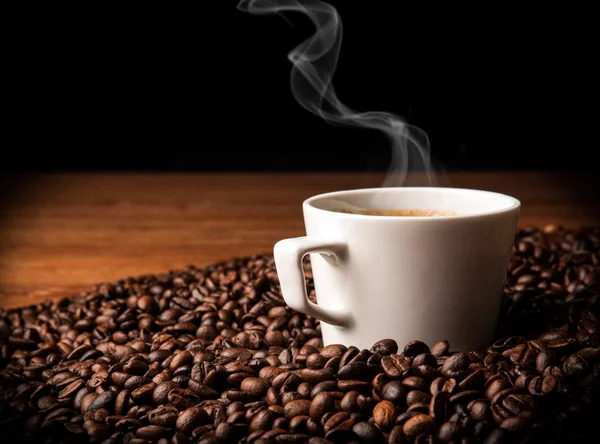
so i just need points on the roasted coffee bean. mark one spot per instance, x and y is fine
(62, 378)
(550, 384)
(574, 365)
(385, 347)
(164, 416)
(367, 432)
(427, 372)
(71, 389)
(474, 381)
(226, 432)
(449, 431)
(305, 389)
(158, 356)
(479, 430)
(352, 370)
(520, 404)
(161, 392)
(590, 354)
(298, 424)
(333, 350)
(384, 415)
(514, 424)
(395, 392)
(341, 436)
(380, 380)
(437, 385)
(255, 386)
(543, 385)
(135, 381)
(518, 354)
(479, 409)
(322, 403)
(325, 386)
(417, 425)
(290, 396)
(449, 385)
(79, 397)
(291, 438)
(544, 359)
(144, 392)
(179, 438)
(465, 396)
(202, 390)
(180, 360)
(395, 366)
(424, 359)
(314, 428)
(456, 365)
(353, 385)
(286, 381)
(316, 376)
(135, 367)
(191, 418)
(361, 356)
(347, 356)
(182, 398)
(315, 361)
(415, 383)
(397, 436)
(86, 401)
(553, 335)
(269, 373)
(523, 381)
(332, 363)
(104, 400)
(440, 348)
(496, 386)
(421, 407)
(439, 407)
(97, 432)
(498, 436)
(337, 420)
(122, 402)
(349, 402)
(119, 378)
(263, 420)
(415, 396)
(297, 407)
(415, 348)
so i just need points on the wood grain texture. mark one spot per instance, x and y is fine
(62, 233)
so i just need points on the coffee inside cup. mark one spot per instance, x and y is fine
(410, 212)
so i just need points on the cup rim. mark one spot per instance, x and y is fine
(515, 204)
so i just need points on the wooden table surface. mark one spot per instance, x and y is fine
(62, 233)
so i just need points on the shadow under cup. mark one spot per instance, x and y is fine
(403, 277)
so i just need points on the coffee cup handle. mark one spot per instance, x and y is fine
(289, 254)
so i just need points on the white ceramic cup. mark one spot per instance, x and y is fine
(402, 277)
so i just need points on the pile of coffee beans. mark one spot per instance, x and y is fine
(214, 355)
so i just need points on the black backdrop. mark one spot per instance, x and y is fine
(204, 86)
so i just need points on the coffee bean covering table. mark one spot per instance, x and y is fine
(213, 355)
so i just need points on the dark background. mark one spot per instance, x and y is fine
(206, 87)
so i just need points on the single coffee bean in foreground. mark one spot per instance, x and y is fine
(102, 368)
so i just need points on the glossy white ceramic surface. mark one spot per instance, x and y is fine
(425, 278)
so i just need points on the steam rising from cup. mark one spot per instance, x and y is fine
(314, 64)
